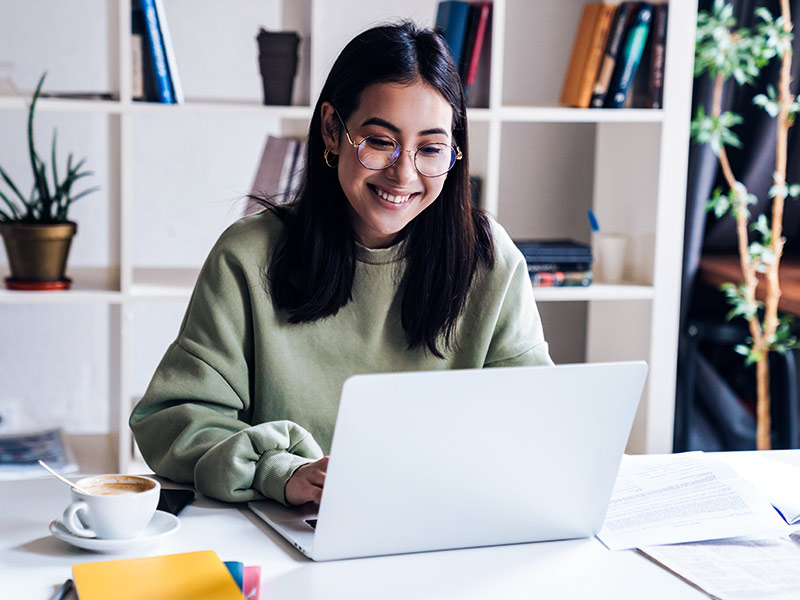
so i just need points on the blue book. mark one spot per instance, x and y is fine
(452, 17)
(237, 572)
(158, 57)
(630, 56)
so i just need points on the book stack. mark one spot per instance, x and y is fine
(466, 26)
(187, 576)
(154, 69)
(617, 56)
(556, 263)
(279, 172)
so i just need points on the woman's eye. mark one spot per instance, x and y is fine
(380, 143)
(431, 150)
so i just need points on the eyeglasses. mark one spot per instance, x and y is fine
(379, 152)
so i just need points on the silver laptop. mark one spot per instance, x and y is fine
(455, 459)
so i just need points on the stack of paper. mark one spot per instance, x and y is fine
(687, 497)
(718, 527)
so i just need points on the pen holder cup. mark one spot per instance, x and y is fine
(609, 253)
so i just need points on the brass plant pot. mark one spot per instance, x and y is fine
(37, 253)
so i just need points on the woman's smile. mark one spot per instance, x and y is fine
(393, 197)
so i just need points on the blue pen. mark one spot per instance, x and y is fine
(592, 221)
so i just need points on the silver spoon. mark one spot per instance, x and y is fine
(64, 479)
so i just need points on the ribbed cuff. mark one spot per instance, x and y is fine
(273, 470)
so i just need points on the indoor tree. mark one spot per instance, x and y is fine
(725, 51)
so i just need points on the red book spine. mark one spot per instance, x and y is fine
(475, 55)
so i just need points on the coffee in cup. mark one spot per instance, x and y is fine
(111, 506)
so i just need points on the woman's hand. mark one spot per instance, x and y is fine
(305, 484)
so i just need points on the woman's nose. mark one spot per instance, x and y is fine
(403, 170)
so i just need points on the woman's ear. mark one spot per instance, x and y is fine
(330, 130)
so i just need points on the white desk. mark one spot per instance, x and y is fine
(33, 564)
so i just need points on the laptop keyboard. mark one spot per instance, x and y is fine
(312, 523)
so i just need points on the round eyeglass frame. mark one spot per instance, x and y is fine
(456, 151)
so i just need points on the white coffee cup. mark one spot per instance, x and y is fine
(113, 507)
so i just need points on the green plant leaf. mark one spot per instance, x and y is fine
(11, 207)
(769, 101)
(53, 164)
(741, 305)
(716, 131)
(13, 187)
(35, 160)
(719, 203)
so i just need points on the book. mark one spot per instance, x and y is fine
(279, 172)
(169, 53)
(561, 278)
(587, 54)
(613, 45)
(543, 267)
(137, 66)
(247, 578)
(155, 49)
(20, 453)
(187, 576)
(142, 78)
(298, 168)
(637, 95)
(451, 18)
(478, 22)
(251, 585)
(629, 57)
(269, 169)
(285, 177)
(557, 251)
(658, 51)
(476, 190)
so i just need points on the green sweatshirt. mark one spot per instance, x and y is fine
(243, 398)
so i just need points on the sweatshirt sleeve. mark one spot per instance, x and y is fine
(518, 337)
(192, 423)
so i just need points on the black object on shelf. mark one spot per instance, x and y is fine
(278, 61)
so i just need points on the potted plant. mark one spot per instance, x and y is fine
(36, 230)
(726, 51)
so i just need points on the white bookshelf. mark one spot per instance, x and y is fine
(543, 165)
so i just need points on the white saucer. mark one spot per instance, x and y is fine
(162, 524)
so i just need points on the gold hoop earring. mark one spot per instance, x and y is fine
(327, 158)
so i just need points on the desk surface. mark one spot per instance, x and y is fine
(33, 564)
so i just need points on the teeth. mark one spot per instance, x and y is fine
(390, 198)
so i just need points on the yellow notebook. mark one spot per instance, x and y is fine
(190, 576)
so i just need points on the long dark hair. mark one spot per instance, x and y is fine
(312, 270)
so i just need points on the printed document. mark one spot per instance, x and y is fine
(762, 569)
(675, 498)
(777, 481)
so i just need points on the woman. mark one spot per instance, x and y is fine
(380, 264)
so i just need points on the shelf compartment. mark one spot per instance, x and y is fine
(163, 283)
(561, 114)
(596, 291)
(88, 285)
(238, 108)
(62, 105)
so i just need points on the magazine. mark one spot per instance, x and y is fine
(19, 453)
